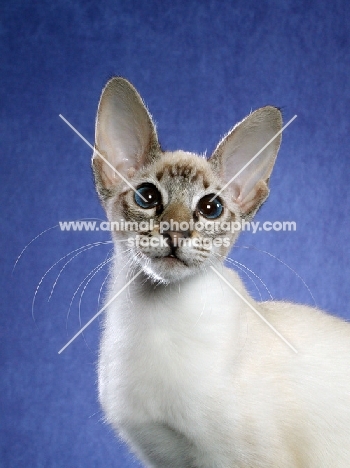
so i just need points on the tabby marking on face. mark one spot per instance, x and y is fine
(188, 375)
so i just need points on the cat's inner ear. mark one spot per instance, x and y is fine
(124, 135)
(250, 188)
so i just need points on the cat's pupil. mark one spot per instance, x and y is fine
(210, 208)
(147, 196)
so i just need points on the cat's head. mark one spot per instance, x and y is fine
(176, 212)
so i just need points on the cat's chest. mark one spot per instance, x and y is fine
(165, 374)
(161, 354)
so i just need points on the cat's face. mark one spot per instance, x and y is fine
(177, 212)
(179, 230)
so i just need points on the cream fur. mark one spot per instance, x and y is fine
(188, 375)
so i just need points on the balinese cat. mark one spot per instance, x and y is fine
(189, 376)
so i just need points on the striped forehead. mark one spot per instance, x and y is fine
(183, 173)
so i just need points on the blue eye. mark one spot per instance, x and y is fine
(210, 209)
(150, 194)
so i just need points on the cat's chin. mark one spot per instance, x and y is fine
(168, 270)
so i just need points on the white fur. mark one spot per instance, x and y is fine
(189, 376)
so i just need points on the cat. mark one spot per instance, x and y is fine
(188, 375)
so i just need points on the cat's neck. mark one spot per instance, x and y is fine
(202, 313)
(203, 296)
(143, 282)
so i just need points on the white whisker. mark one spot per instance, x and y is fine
(241, 268)
(40, 234)
(46, 273)
(29, 243)
(280, 261)
(80, 284)
(256, 276)
(245, 269)
(103, 282)
(81, 250)
(84, 289)
(92, 275)
(98, 313)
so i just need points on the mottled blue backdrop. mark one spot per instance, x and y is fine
(201, 67)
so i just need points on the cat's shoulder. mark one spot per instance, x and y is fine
(308, 326)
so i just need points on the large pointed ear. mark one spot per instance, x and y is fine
(125, 136)
(239, 148)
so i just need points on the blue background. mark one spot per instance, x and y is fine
(201, 67)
